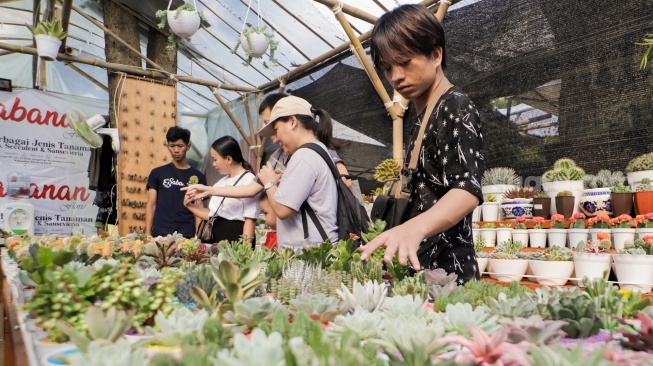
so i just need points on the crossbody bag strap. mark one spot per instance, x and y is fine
(223, 198)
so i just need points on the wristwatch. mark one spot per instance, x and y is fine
(269, 185)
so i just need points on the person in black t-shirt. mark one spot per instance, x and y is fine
(165, 211)
(408, 46)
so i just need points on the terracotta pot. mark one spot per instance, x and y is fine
(542, 207)
(644, 202)
(565, 205)
(622, 203)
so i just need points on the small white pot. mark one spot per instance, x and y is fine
(186, 24)
(621, 237)
(552, 189)
(504, 234)
(593, 232)
(576, 236)
(475, 234)
(259, 43)
(557, 237)
(520, 235)
(490, 236)
(644, 231)
(591, 265)
(482, 264)
(476, 214)
(47, 46)
(551, 273)
(508, 270)
(490, 211)
(635, 178)
(597, 201)
(497, 190)
(634, 272)
(537, 238)
(511, 208)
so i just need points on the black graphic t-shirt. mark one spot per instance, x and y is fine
(171, 215)
(451, 157)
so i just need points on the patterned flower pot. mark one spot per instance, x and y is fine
(520, 235)
(591, 265)
(566, 205)
(537, 238)
(557, 237)
(542, 207)
(576, 236)
(511, 208)
(634, 272)
(622, 236)
(508, 270)
(551, 273)
(490, 211)
(644, 202)
(622, 203)
(596, 201)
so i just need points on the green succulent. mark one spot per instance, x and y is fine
(580, 314)
(101, 354)
(555, 254)
(603, 179)
(644, 186)
(369, 296)
(500, 175)
(374, 229)
(409, 341)
(459, 317)
(317, 306)
(507, 250)
(563, 169)
(261, 349)
(533, 330)
(54, 29)
(565, 193)
(387, 170)
(361, 321)
(541, 194)
(640, 163)
(101, 327)
(181, 322)
(559, 355)
(250, 313)
(522, 305)
(408, 306)
(620, 188)
(411, 286)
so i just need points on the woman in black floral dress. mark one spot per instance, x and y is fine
(408, 46)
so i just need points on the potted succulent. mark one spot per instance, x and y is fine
(596, 198)
(598, 224)
(644, 225)
(644, 197)
(506, 264)
(623, 231)
(488, 232)
(557, 234)
(633, 266)
(255, 41)
(490, 208)
(48, 36)
(577, 231)
(622, 199)
(565, 203)
(476, 231)
(504, 232)
(537, 234)
(183, 22)
(639, 168)
(592, 259)
(518, 202)
(498, 180)
(520, 233)
(565, 176)
(387, 173)
(553, 267)
(481, 256)
(541, 205)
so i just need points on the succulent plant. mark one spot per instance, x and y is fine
(102, 354)
(533, 330)
(102, 327)
(522, 192)
(460, 317)
(479, 244)
(436, 291)
(438, 277)
(541, 194)
(387, 170)
(580, 314)
(620, 188)
(494, 176)
(521, 305)
(644, 186)
(261, 349)
(369, 296)
(361, 321)
(556, 253)
(411, 286)
(410, 306)
(565, 193)
(559, 355)
(507, 250)
(640, 340)
(563, 169)
(409, 341)
(317, 306)
(485, 349)
(603, 179)
(250, 313)
(186, 285)
(640, 163)
(374, 229)
(367, 270)
(490, 198)
(181, 322)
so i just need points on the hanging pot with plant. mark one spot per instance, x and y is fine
(183, 22)
(48, 37)
(254, 40)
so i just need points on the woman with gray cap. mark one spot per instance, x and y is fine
(307, 177)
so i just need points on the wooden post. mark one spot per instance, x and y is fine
(252, 133)
(65, 21)
(224, 106)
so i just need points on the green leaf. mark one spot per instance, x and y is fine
(45, 256)
(95, 322)
(63, 257)
(78, 339)
(228, 272)
(234, 292)
(201, 298)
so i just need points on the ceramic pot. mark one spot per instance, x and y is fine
(566, 205)
(503, 234)
(576, 236)
(497, 190)
(557, 237)
(622, 203)
(551, 273)
(512, 208)
(595, 202)
(634, 272)
(185, 24)
(635, 178)
(552, 188)
(490, 211)
(644, 231)
(542, 207)
(537, 238)
(520, 235)
(622, 236)
(594, 231)
(490, 236)
(482, 264)
(508, 270)
(259, 44)
(47, 46)
(643, 202)
(591, 265)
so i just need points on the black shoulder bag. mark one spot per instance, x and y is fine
(205, 228)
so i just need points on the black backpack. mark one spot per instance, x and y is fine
(352, 217)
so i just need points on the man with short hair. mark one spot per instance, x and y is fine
(165, 211)
(408, 46)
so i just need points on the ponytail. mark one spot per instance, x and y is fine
(322, 126)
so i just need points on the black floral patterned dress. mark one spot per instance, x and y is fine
(451, 157)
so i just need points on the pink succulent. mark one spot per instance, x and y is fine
(558, 217)
(488, 349)
(601, 235)
(538, 220)
(579, 216)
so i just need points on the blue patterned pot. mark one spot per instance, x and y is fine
(512, 208)
(595, 202)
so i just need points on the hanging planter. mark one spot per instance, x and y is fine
(255, 42)
(48, 38)
(183, 22)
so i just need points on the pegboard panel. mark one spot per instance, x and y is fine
(145, 110)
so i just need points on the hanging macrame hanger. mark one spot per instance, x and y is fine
(194, 3)
(249, 6)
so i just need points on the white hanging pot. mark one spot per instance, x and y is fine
(47, 46)
(259, 44)
(184, 25)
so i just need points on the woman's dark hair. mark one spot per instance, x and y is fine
(270, 100)
(228, 146)
(403, 33)
(323, 129)
(175, 133)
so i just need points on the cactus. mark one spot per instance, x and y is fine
(494, 176)
(388, 169)
(620, 188)
(541, 194)
(411, 286)
(522, 192)
(644, 185)
(507, 250)
(603, 179)
(640, 163)
(558, 254)
(565, 194)
(563, 169)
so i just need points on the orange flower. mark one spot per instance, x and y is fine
(137, 248)
(648, 239)
(558, 217)
(601, 235)
(604, 218)
(538, 220)
(106, 250)
(520, 219)
(591, 221)
(125, 247)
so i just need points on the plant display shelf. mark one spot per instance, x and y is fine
(529, 223)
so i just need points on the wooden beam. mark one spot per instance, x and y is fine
(534, 119)
(129, 69)
(224, 106)
(65, 21)
(350, 10)
(252, 133)
(87, 76)
(378, 3)
(530, 128)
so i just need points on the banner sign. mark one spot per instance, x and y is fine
(35, 139)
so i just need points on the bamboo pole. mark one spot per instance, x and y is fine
(532, 120)
(89, 77)
(348, 9)
(260, 142)
(545, 125)
(65, 21)
(117, 38)
(224, 106)
(282, 86)
(252, 133)
(132, 70)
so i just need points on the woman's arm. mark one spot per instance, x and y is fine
(248, 229)
(198, 191)
(343, 171)
(199, 211)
